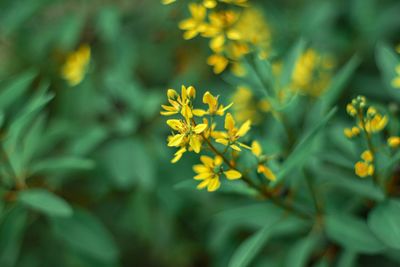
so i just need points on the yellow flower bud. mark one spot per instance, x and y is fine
(363, 169)
(394, 141)
(367, 156)
(351, 110)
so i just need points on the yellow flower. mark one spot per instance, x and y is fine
(351, 110)
(179, 103)
(218, 62)
(312, 73)
(396, 80)
(376, 124)
(220, 28)
(187, 134)
(196, 24)
(256, 148)
(351, 132)
(363, 169)
(74, 68)
(209, 171)
(209, 3)
(261, 167)
(394, 141)
(233, 133)
(367, 156)
(247, 106)
(213, 107)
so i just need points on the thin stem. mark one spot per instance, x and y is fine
(19, 184)
(317, 205)
(265, 193)
(369, 144)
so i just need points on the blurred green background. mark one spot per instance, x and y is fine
(100, 146)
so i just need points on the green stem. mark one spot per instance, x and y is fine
(265, 193)
(369, 144)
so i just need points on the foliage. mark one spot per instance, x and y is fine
(287, 117)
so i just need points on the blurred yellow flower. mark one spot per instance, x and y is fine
(209, 171)
(394, 141)
(247, 106)
(261, 167)
(312, 73)
(351, 132)
(196, 24)
(363, 169)
(218, 62)
(74, 68)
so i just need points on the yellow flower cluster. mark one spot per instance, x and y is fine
(74, 68)
(247, 106)
(233, 32)
(312, 73)
(194, 132)
(365, 167)
(369, 121)
(368, 118)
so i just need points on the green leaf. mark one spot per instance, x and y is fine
(340, 81)
(15, 89)
(12, 231)
(352, 233)
(45, 202)
(249, 249)
(384, 221)
(84, 233)
(365, 188)
(387, 61)
(301, 151)
(301, 251)
(59, 164)
(128, 161)
(347, 258)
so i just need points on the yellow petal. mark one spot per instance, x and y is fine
(209, 99)
(207, 161)
(233, 174)
(256, 148)
(200, 168)
(213, 185)
(202, 176)
(203, 184)
(199, 112)
(195, 143)
(176, 140)
(267, 172)
(244, 128)
(174, 124)
(229, 122)
(235, 147)
(225, 142)
(218, 160)
(200, 128)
